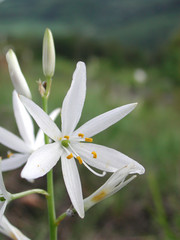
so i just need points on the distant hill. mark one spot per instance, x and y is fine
(132, 22)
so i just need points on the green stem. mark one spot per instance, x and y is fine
(60, 218)
(25, 193)
(69, 212)
(50, 185)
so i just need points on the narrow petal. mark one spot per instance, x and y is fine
(18, 234)
(105, 120)
(73, 183)
(42, 119)
(74, 100)
(14, 162)
(8, 229)
(12, 141)
(40, 134)
(3, 190)
(42, 161)
(107, 159)
(4, 225)
(23, 120)
(2, 208)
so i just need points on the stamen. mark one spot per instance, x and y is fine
(91, 170)
(94, 154)
(79, 159)
(88, 139)
(9, 154)
(76, 155)
(67, 137)
(69, 156)
(81, 135)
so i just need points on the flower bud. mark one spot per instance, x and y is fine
(48, 57)
(111, 186)
(16, 75)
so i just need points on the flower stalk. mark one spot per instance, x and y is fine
(50, 186)
(25, 193)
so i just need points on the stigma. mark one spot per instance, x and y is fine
(65, 143)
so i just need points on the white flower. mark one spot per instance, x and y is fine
(16, 75)
(28, 143)
(9, 230)
(111, 186)
(68, 144)
(48, 57)
(5, 196)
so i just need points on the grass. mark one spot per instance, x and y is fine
(148, 207)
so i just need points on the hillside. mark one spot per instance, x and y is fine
(136, 23)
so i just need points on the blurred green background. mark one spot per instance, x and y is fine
(132, 53)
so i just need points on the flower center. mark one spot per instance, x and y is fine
(65, 143)
(71, 153)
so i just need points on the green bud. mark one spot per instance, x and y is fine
(48, 57)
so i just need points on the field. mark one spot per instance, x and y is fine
(148, 208)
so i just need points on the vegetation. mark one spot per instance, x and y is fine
(134, 23)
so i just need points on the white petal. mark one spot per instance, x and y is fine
(74, 100)
(40, 135)
(17, 234)
(2, 208)
(4, 228)
(23, 120)
(12, 141)
(42, 119)
(107, 159)
(3, 190)
(8, 229)
(42, 161)
(105, 120)
(16, 75)
(73, 183)
(16, 161)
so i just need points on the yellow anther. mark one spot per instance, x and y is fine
(99, 196)
(79, 159)
(60, 138)
(67, 137)
(88, 139)
(69, 156)
(81, 135)
(9, 154)
(94, 154)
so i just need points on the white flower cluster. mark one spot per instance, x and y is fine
(69, 144)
